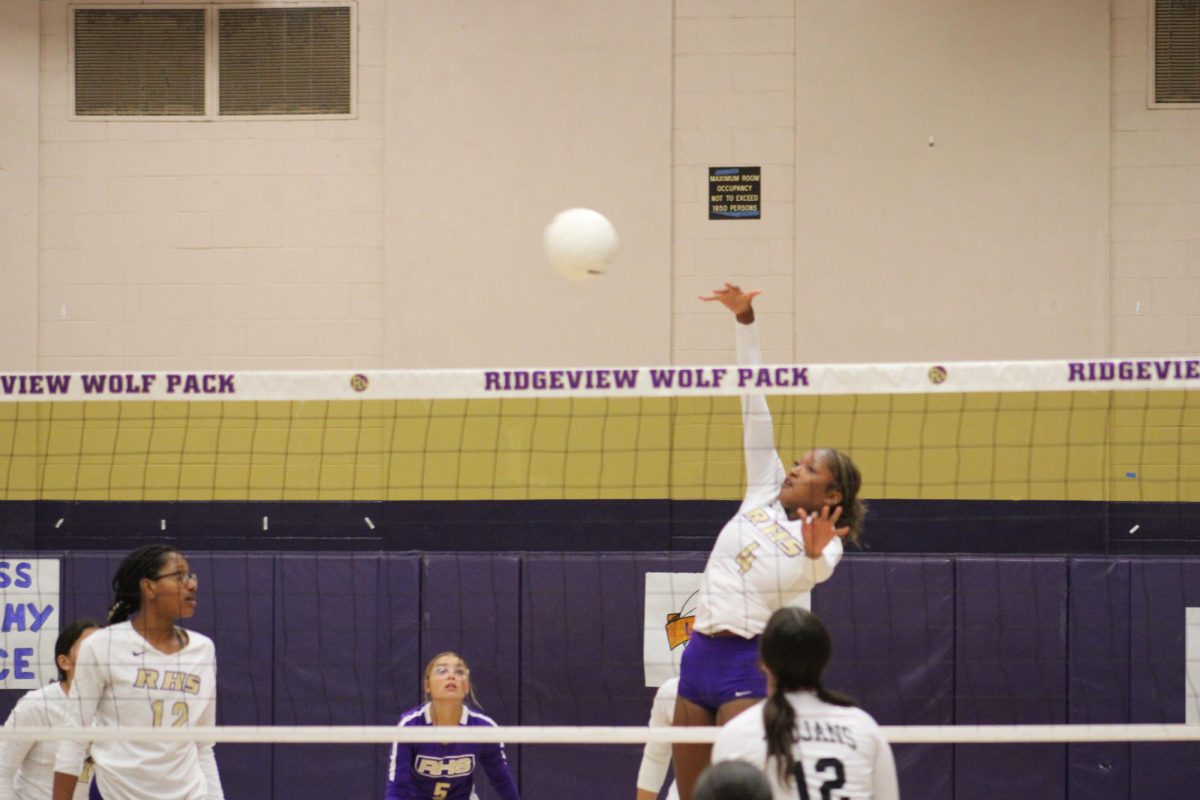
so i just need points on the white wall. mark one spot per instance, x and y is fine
(18, 184)
(735, 106)
(234, 243)
(875, 246)
(993, 242)
(499, 116)
(410, 235)
(1156, 202)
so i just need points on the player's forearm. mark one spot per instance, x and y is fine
(501, 777)
(643, 794)
(764, 471)
(212, 776)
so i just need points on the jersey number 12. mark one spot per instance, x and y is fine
(836, 782)
(179, 713)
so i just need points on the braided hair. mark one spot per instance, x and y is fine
(67, 638)
(145, 562)
(795, 649)
(847, 480)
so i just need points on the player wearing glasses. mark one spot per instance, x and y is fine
(145, 671)
(446, 770)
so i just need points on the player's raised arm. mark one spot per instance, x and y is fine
(739, 302)
(764, 470)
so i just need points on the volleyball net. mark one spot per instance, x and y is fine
(1030, 551)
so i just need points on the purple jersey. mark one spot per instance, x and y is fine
(446, 771)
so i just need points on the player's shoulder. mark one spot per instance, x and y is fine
(474, 717)
(106, 636)
(668, 690)
(38, 697)
(862, 718)
(198, 640)
(42, 692)
(414, 717)
(848, 715)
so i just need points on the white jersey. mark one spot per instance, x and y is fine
(656, 757)
(121, 681)
(841, 751)
(27, 768)
(758, 565)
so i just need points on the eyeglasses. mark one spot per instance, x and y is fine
(181, 576)
(442, 670)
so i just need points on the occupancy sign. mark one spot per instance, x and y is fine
(734, 192)
(29, 595)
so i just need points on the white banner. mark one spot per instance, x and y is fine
(29, 594)
(670, 612)
(815, 379)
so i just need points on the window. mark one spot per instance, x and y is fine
(285, 61)
(1176, 52)
(213, 61)
(143, 62)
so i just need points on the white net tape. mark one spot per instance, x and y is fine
(542, 734)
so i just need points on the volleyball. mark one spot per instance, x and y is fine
(580, 243)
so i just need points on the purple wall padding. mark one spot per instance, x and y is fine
(326, 649)
(236, 608)
(581, 659)
(1160, 591)
(1011, 668)
(398, 669)
(1098, 682)
(555, 639)
(472, 606)
(892, 623)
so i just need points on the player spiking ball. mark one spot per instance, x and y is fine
(785, 539)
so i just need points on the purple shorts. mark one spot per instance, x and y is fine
(715, 670)
(94, 792)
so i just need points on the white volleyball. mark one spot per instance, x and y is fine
(580, 243)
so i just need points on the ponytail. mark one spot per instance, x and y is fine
(779, 723)
(794, 649)
(145, 562)
(122, 610)
(847, 480)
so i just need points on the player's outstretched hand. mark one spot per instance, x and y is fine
(732, 297)
(819, 530)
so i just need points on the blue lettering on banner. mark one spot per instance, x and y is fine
(14, 617)
(20, 658)
(23, 581)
